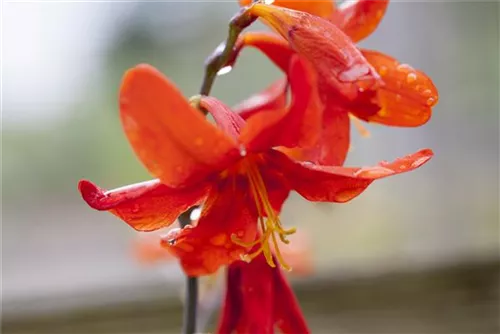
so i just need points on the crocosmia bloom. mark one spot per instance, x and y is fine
(235, 169)
(259, 299)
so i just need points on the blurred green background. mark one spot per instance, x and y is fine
(417, 253)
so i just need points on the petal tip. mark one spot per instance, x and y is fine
(91, 194)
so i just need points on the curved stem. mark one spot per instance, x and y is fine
(223, 53)
(191, 303)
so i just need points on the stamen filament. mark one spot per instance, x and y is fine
(269, 226)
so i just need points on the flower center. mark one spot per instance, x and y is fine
(269, 222)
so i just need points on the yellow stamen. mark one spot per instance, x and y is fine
(359, 126)
(270, 226)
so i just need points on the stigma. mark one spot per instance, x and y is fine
(270, 225)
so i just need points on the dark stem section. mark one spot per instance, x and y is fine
(191, 303)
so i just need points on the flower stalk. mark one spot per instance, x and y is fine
(213, 64)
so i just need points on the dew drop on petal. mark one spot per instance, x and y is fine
(419, 162)
(427, 93)
(245, 258)
(411, 77)
(268, 2)
(224, 70)
(382, 70)
(243, 150)
(195, 214)
(398, 97)
(404, 67)
(135, 208)
(431, 101)
(373, 172)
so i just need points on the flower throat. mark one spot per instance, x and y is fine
(270, 224)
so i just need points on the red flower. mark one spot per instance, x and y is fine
(235, 169)
(258, 299)
(366, 84)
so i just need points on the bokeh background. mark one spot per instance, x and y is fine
(417, 253)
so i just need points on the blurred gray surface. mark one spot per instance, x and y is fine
(62, 69)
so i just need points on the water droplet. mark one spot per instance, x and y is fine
(373, 172)
(245, 258)
(382, 70)
(431, 101)
(195, 214)
(224, 70)
(411, 77)
(361, 89)
(171, 242)
(268, 2)
(135, 208)
(398, 97)
(218, 240)
(403, 167)
(427, 93)
(404, 68)
(243, 150)
(419, 162)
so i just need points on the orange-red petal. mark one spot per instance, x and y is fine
(296, 125)
(258, 298)
(227, 120)
(333, 143)
(270, 99)
(203, 249)
(342, 184)
(145, 206)
(336, 59)
(359, 18)
(322, 8)
(272, 45)
(171, 138)
(405, 99)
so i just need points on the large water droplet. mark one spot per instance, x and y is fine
(195, 214)
(411, 77)
(373, 172)
(224, 70)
